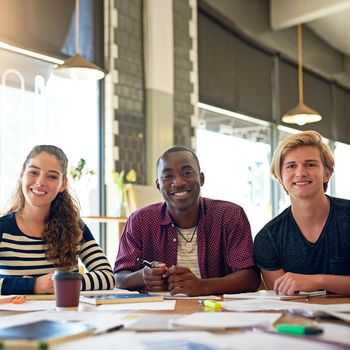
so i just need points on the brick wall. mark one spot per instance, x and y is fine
(129, 88)
(183, 87)
(124, 85)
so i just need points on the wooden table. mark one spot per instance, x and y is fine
(188, 307)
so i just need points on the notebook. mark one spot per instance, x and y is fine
(119, 298)
(41, 333)
(82, 293)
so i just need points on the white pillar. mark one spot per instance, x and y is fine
(159, 80)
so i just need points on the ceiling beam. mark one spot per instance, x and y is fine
(288, 13)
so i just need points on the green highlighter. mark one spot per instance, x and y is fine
(297, 329)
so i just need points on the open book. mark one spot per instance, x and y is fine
(41, 333)
(270, 294)
(120, 298)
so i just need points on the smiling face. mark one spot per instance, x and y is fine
(42, 180)
(179, 181)
(303, 173)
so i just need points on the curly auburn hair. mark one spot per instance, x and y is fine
(63, 227)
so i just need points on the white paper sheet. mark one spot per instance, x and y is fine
(222, 320)
(29, 306)
(270, 294)
(339, 333)
(340, 315)
(161, 305)
(276, 305)
(147, 341)
(266, 341)
(180, 340)
(110, 341)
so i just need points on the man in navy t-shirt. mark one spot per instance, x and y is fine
(307, 246)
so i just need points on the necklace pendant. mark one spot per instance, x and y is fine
(189, 247)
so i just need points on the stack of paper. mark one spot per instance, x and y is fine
(276, 305)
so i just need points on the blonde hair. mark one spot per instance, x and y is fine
(305, 138)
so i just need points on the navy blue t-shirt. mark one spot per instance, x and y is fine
(281, 245)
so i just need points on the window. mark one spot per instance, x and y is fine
(341, 172)
(36, 108)
(234, 154)
(283, 197)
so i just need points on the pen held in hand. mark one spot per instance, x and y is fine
(144, 262)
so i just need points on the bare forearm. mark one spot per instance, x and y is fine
(271, 276)
(334, 284)
(132, 280)
(291, 283)
(247, 280)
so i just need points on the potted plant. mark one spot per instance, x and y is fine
(123, 182)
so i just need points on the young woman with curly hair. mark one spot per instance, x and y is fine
(42, 230)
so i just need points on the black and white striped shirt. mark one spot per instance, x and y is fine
(22, 255)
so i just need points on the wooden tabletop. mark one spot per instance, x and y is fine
(105, 219)
(190, 306)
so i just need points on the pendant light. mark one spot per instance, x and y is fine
(301, 114)
(77, 67)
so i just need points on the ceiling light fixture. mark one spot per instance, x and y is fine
(77, 67)
(301, 114)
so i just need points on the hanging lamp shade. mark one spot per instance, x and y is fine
(77, 67)
(301, 114)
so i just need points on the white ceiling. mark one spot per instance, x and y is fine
(329, 19)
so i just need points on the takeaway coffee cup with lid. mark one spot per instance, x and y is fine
(67, 289)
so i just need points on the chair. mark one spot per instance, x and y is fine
(141, 195)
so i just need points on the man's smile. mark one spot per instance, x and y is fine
(301, 183)
(180, 193)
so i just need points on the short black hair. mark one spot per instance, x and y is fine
(179, 149)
